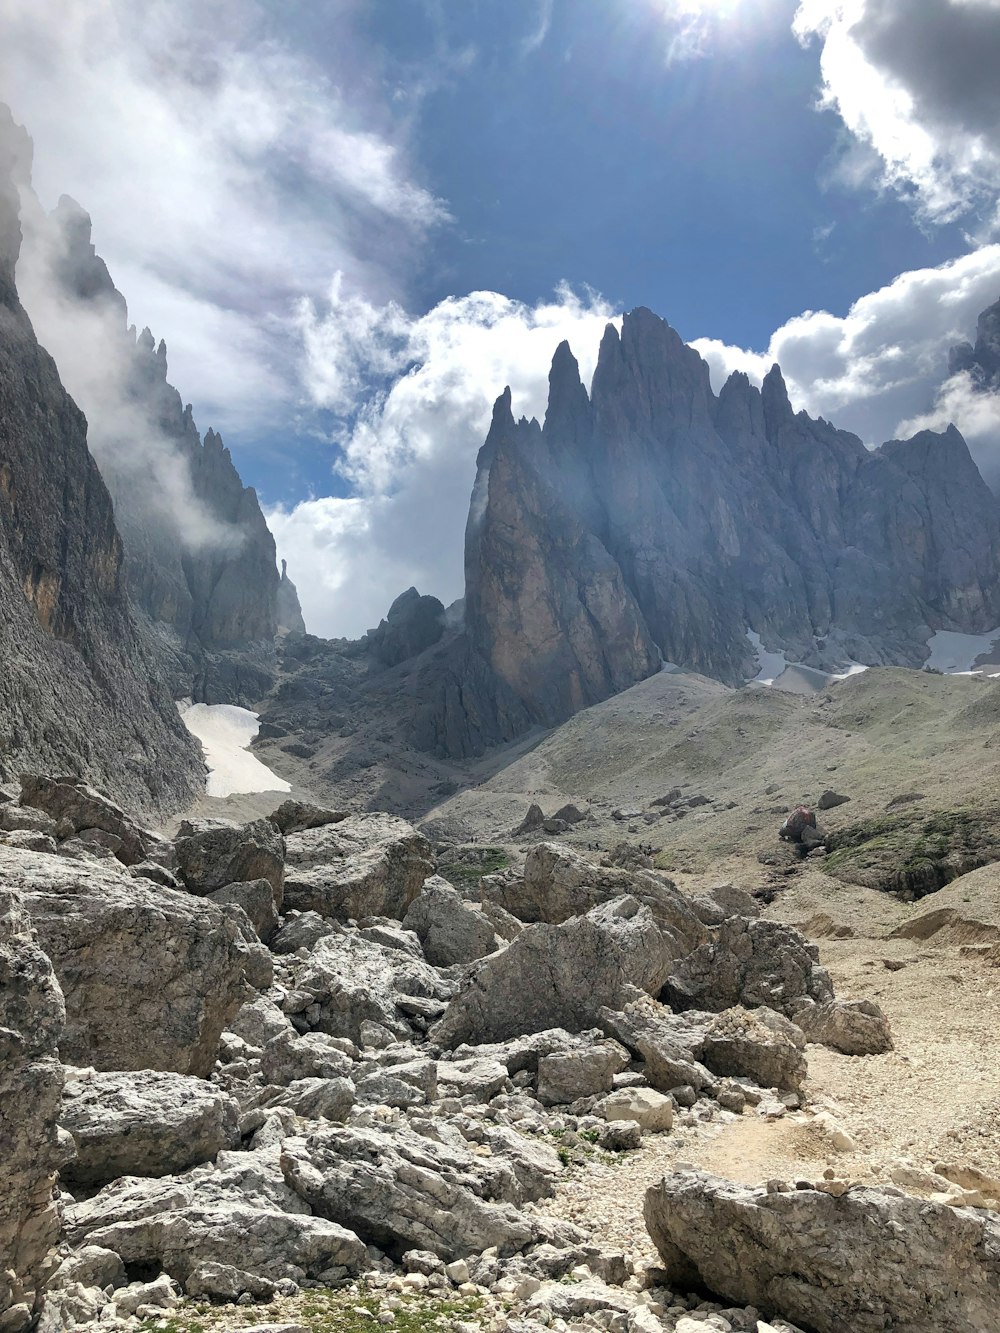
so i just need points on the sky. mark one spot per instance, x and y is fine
(355, 221)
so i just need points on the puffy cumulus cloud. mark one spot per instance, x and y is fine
(270, 173)
(882, 369)
(917, 86)
(409, 456)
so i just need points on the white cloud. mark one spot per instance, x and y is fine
(410, 456)
(917, 86)
(227, 175)
(878, 371)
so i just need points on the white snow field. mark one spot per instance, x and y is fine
(775, 669)
(955, 654)
(225, 731)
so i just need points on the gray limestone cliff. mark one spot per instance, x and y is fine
(653, 519)
(80, 691)
(199, 558)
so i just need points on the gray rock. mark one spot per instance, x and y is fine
(222, 1282)
(289, 612)
(480, 1078)
(366, 865)
(830, 800)
(750, 963)
(652, 1111)
(864, 1261)
(413, 623)
(402, 1191)
(75, 805)
(300, 930)
(288, 1057)
(352, 980)
(566, 1077)
(212, 854)
(31, 1081)
(143, 1124)
(150, 976)
(239, 1213)
(314, 1098)
(854, 1027)
(450, 930)
(758, 1044)
(560, 975)
(256, 897)
(296, 816)
(92, 1266)
(260, 1020)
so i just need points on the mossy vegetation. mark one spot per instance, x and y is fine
(322, 1311)
(468, 865)
(912, 853)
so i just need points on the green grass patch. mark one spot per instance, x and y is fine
(913, 854)
(321, 1310)
(471, 864)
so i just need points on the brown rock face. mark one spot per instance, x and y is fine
(80, 691)
(31, 1082)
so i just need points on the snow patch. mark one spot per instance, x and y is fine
(956, 654)
(775, 669)
(225, 731)
(771, 665)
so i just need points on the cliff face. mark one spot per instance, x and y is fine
(79, 689)
(199, 558)
(981, 360)
(652, 517)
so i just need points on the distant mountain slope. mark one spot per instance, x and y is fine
(79, 688)
(199, 558)
(652, 517)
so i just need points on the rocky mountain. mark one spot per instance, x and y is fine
(80, 688)
(289, 612)
(982, 359)
(199, 558)
(653, 519)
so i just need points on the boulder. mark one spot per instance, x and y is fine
(77, 806)
(830, 800)
(652, 1111)
(559, 883)
(295, 816)
(566, 1077)
(212, 853)
(258, 1021)
(288, 1057)
(758, 1044)
(365, 865)
(239, 1213)
(314, 1098)
(348, 980)
(300, 930)
(32, 1016)
(750, 963)
(449, 929)
(401, 1191)
(853, 1027)
(151, 976)
(560, 976)
(146, 1123)
(795, 825)
(256, 897)
(865, 1260)
(479, 1078)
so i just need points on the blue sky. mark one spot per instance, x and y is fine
(301, 198)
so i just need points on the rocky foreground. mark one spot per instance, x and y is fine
(287, 1065)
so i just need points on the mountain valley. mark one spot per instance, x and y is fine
(610, 951)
